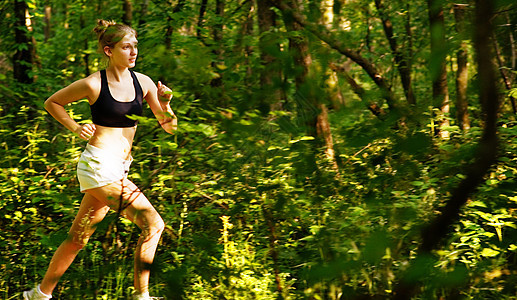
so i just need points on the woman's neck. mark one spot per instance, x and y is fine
(118, 73)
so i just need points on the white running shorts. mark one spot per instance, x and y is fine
(97, 168)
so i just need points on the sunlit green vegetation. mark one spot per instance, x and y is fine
(259, 204)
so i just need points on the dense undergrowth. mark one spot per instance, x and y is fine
(254, 212)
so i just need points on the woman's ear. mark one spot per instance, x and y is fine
(107, 51)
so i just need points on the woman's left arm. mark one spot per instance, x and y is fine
(159, 102)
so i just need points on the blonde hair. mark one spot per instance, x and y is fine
(109, 33)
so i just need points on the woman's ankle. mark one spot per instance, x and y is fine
(141, 296)
(44, 292)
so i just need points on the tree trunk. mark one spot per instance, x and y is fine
(506, 66)
(401, 61)
(143, 12)
(437, 230)
(170, 27)
(273, 240)
(462, 70)
(314, 111)
(438, 64)
(323, 132)
(217, 28)
(489, 98)
(47, 17)
(409, 39)
(246, 30)
(270, 70)
(218, 50)
(23, 56)
(331, 21)
(86, 57)
(127, 18)
(338, 45)
(217, 33)
(201, 20)
(504, 75)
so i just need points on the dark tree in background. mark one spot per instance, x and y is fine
(23, 55)
(438, 229)
(438, 64)
(462, 115)
(330, 149)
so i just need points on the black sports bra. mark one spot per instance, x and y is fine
(109, 112)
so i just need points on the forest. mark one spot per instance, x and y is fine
(326, 149)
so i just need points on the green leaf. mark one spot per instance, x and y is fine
(513, 93)
(176, 94)
(489, 252)
(221, 67)
(246, 122)
(303, 138)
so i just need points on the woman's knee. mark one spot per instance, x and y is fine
(152, 227)
(76, 242)
(158, 225)
(161, 224)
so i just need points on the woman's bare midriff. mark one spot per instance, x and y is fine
(117, 141)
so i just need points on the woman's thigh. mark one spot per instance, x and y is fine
(125, 197)
(91, 212)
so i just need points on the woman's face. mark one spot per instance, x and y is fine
(124, 52)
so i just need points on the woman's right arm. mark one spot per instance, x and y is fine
(76, 91)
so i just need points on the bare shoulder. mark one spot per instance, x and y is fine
(90, 82)
(143, 77)
(94, 79)
(88, 87)
(93, 84)
(146, 82)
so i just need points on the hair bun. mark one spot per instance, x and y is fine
(110, 33)
(102, 25)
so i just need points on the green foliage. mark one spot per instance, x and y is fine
(253, 207)
(233, 197)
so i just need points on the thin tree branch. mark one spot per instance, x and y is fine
(434, 233)
(358, 90)
(324, 35)
(504, 76)
(402, 62)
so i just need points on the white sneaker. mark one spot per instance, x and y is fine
(145, 296)
(35, 294)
